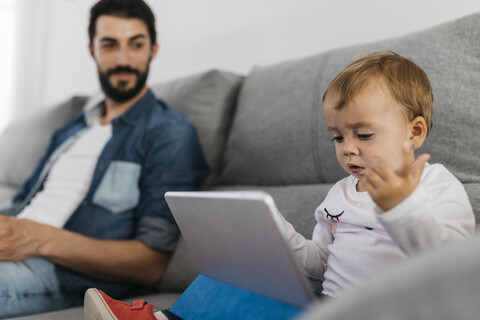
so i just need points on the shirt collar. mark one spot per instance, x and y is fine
(95, 108)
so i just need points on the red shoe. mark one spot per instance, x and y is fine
(99, 306)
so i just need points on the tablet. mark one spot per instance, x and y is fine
(234, 237)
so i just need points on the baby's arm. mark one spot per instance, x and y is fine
(419, 215)
(312, 256)
(437, 212)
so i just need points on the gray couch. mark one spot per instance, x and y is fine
(266, 130)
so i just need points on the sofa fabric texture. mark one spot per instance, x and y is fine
(209, 101)
(265, 131)
(24, 141)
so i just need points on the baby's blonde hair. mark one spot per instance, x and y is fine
(406, 82)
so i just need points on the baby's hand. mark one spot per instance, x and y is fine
(388, 187)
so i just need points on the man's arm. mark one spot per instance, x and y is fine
(117, 260)
(173, 160)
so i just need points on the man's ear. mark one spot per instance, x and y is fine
(90, 49)
(418, 131)
(154, 50)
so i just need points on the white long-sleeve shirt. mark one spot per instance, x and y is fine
(354, 239)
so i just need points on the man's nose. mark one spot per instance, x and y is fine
(122, 57)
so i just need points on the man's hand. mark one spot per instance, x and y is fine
(20, 239)
(114, 260)
(388, 187)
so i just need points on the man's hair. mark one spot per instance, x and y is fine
(123, 9)
(406, 82)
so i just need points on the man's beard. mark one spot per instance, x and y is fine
(119, 93)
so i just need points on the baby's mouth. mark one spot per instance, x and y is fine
(355, 169)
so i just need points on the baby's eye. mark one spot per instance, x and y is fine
(337, 139)
(364, 136)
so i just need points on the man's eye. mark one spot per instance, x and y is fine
(365, 136)
(107, 45)
(137, 45)
(337, 139)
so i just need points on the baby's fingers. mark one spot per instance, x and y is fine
(406, 165)
(373, 178)
(418, 165)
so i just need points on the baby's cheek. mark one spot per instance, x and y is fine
(397, 162)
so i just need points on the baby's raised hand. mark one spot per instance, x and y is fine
(388, 187)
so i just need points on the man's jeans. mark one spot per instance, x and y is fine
(31, 286)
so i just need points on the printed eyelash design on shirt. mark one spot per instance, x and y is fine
(332, 217)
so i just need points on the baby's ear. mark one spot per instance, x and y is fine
(418, 131)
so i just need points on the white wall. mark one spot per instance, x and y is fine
(6, 56)
(53, 63)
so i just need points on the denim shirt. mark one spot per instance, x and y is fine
(154, 148)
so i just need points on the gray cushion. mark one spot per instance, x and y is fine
(209, 101)
(279, 136)
(473, 191)
(6, 194)
(181, 270)
(24, 141)
(277, 133)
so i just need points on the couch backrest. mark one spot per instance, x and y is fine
(24, 141)
(209, 100)
(279, 136)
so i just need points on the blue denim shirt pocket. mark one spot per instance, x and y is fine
(118, 190)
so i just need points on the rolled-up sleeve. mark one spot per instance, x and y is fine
(173, 161)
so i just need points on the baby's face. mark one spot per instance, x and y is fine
(371, 125)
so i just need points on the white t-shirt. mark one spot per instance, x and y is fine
(354, 239)
(69, 179)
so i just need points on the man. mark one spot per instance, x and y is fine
(93, 213)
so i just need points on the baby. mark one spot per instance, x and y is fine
(378, 111)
